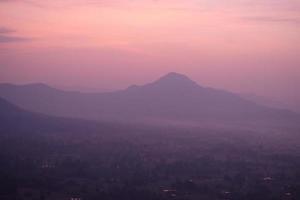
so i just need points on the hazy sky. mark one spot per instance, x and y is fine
(250, 46)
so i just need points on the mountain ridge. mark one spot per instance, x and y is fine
(172, 96)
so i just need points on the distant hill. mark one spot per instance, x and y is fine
(173, 96)
(15, 120)
(272, 102)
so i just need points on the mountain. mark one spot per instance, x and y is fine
(172, 97)
(16, 121)
(7, 108)
(273, 102)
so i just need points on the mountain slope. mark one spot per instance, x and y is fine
(15, 121)
(173, 96)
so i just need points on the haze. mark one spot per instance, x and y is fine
(239, 45)
(149, 99)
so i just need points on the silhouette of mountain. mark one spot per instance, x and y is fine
(15, 121)
(268, 101)
(175, 80)
(15, 118)
(6, 107)
(173, 96)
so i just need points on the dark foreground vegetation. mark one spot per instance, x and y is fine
(125, 163)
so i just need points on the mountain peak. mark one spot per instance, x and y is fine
(170, 82)
(174, 75)
(176, 80)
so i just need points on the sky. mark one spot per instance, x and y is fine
(246, 46)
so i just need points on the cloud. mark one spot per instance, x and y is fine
(4, 30)
(290, 5)
(273, 19)
(61, 3)
(6, 37)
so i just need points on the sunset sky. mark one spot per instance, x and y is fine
(248, 46)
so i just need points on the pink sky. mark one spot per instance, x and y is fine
(249, 46)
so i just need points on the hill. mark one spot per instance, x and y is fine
(171, 97)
